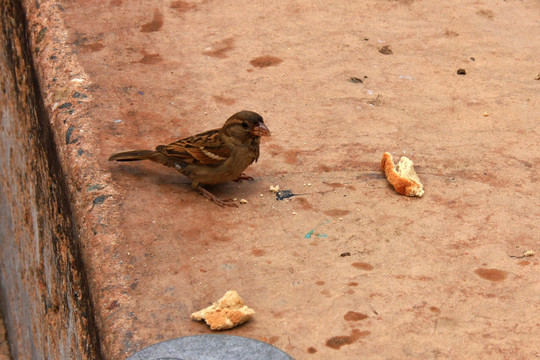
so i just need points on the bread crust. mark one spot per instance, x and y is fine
(404, 180)
(228, 312)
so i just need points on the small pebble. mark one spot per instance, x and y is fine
(294, 213)
(461, 72)
(243, 201)
(486, 114)
(274, 189)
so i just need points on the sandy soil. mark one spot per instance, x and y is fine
(349, 269)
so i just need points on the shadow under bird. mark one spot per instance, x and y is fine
(211, 157)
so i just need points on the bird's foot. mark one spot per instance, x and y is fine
(242, 177)
(220, 202)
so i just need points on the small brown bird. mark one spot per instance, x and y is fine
(211, 157)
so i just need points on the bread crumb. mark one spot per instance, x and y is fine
(228, 312)
(402, 177)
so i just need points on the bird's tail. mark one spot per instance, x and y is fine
(133, 155)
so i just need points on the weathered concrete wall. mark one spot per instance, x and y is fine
(43, 288)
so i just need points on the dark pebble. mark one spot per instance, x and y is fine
(65, 105)
(461, 72)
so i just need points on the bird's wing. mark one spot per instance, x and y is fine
(203, 149)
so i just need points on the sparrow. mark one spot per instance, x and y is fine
(211, 157)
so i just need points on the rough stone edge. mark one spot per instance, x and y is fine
(92, 194)
(44, 290)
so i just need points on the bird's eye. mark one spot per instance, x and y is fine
(245, 125)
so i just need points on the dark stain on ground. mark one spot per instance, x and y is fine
(333, 184)
(337, 342)
(491, 274)
(149, 59)
(291, 157)
(320, 282)
(220, 49)
(311, 350)
(337, 212)
(353, 283)
(363, 266)
(224, 100)
(354, 316)
(324, 168)
(304, 203)
(258, 252)
(155, 24)
(182, 6)
(265, 61)
(488, 14)
(93, 47)
(435, 309)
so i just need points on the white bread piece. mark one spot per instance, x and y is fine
(227, 313)
(404, 180)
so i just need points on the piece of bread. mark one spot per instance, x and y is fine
(227, 313)
(404, 178)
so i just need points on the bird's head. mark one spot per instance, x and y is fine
(245, 125)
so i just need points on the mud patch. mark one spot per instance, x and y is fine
(224, 100)
(354, 316)
(337, 212)
(155, 24)
(363, 266)
(182, 6)
(495, 275)
(337, 342)
(265, 61)
(93, 47)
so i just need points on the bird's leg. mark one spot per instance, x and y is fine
(243, 176)
(220, 202)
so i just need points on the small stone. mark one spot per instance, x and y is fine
(243, 201)
(461, 72)
(486, 114)
(385, 50)
(355, 80)
(294, 213)
(274, 189)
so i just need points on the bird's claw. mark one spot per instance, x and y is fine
(242, 177)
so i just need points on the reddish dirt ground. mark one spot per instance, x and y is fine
(382, 275)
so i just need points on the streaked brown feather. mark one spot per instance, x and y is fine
(202, 149)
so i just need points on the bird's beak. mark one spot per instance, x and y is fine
(260, 130)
